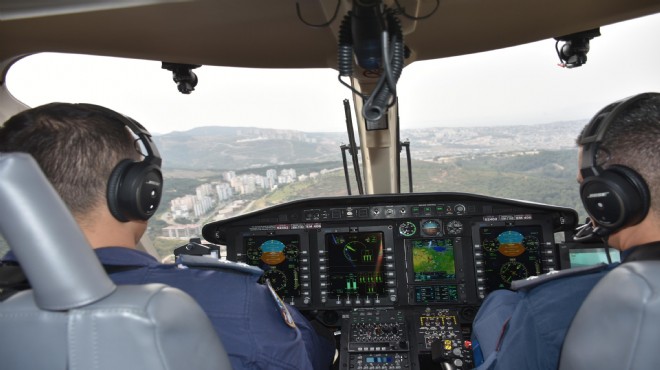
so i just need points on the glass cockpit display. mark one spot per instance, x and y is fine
(433, 260)
(279, 257)
(510, 253)
(355, 264)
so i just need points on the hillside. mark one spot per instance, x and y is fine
(544, 177)
(232, 148)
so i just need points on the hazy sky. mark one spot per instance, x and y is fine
(520, 85)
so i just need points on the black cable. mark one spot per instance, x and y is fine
(351, 88)
(402, 11)
(379, 100)
(345, 47)
(562, 62)
(387, 67)
(607, 249)
(334, 16)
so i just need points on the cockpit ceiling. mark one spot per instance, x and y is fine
(269, 34)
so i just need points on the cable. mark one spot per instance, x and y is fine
(334, 16)
(379, 100)
(402, 11)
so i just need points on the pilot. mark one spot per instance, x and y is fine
(90, 156)
(619, 160)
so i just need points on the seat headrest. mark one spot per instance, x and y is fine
(52, 250)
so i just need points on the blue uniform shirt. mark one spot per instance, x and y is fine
(525, 329)
(243, 312)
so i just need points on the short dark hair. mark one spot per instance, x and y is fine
(76, 147)
(633, 140)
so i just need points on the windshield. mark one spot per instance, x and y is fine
(501, 123)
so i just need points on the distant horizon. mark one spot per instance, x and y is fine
(155, 133)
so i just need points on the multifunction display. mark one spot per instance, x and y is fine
(433, 278)
(433, 260)
(279, 257)
(510, 253)
(355, 264)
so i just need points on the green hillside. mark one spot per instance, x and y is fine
(544, 177)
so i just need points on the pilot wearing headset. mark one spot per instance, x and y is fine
(619, 178)
(112, 188)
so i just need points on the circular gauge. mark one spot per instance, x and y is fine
(272, 252)
(253, 255)
(511, 243)
(431, 228)
(353, 251)
(531, 243)
(454, 227)
(513, 270)
(459, 209)
(277, 279)
(407, 228)
(291, 252)
(491, 245)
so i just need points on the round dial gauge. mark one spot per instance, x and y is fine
(531, 243)
(253, 255)
(407, 228)
(454, 227)
(513, 270)
(354, 251)
(431, 228)
(272, 252)
(277, 279)
(491, 245)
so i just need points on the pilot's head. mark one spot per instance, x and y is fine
(78, 146)
(619, 173)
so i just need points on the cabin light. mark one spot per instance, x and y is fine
(183, 76)
(574, 52)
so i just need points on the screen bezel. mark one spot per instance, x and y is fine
(303, 243)
(544, 224)
(456, 251)
(388, 249)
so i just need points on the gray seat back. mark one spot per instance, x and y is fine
(75, 317)
(618, 325)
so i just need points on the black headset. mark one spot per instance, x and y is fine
(618, 196)
(134, 188)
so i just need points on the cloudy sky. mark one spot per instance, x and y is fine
(520, 85)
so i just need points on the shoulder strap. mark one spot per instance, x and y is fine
(13, 280)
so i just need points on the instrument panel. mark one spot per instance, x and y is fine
(410, 258)
(414, 249)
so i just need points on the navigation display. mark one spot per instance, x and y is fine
(355, 264)
(510, 253)
(433, 260)
(278, 256)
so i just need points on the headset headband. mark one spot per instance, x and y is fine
(595, 132)
(153, 155)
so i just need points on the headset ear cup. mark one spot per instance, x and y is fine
(640, 196)
(114, 183)
(616, 198)
(140, 190)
